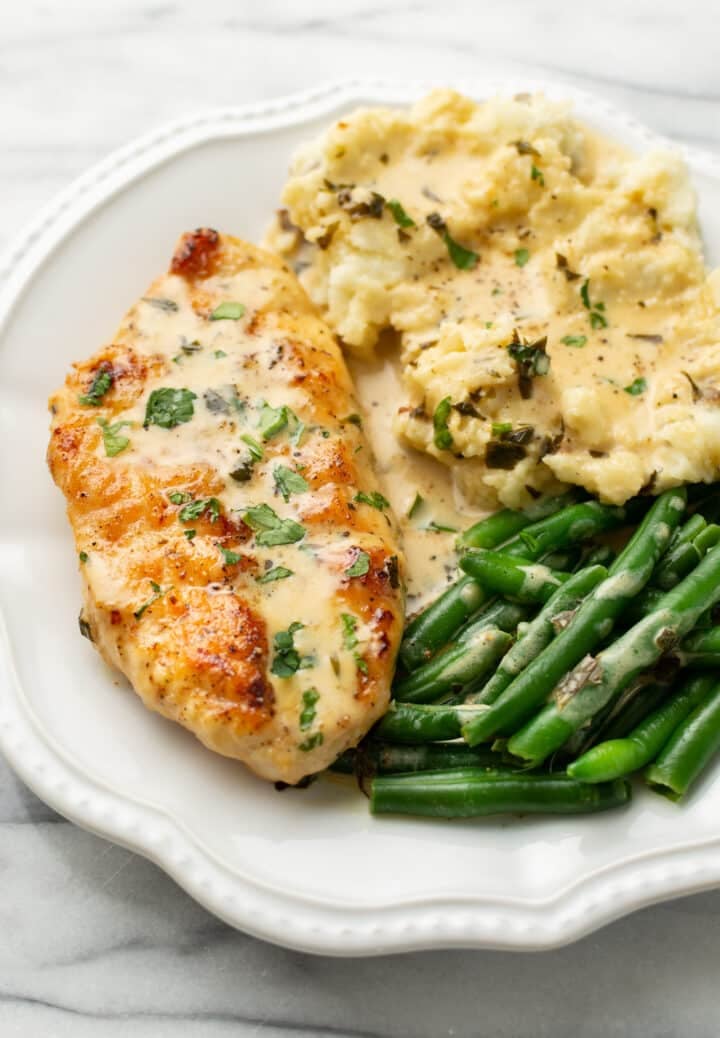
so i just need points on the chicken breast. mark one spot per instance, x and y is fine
(240, 565)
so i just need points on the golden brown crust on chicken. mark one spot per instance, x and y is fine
(211, 459)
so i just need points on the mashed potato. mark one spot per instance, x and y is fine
(555, 318)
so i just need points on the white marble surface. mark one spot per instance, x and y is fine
(97, 942)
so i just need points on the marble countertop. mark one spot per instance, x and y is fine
(98, 942)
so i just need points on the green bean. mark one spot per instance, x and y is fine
(700, 649)
(510, 576)
(602, 555)
(436, 625)
(680, 560)
(690, 748)
(421, 722)
(540, 632)
(568, 559)
(598, 680)
(462, 664)
(391, 758)
(474, 792)
(626, 715)
(591, 624)
(616, 758)
(502, 525)
(505, 615)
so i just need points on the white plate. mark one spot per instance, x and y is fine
(311, 870)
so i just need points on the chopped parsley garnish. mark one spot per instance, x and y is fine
(289, 482)
(442, 437)
(416, 507)
(399, 215)
(180, 497)
(169, 407)
(276, 573)
(354, 419)
(190, 534)
(636, 387)
(83, 556)
(228, 312)
(270, 529)
(360, 566)
(312, 741)
(158, 592)
(195, 509)
(168, 305)
(521, 257)
(230, 558)
(531, 359)
(350, 640)
(287, 659)
(375, 499)
(256, 451)
(440, 528)
(464, 259)
(113, 441)
(98, 387)
(597, 315)
(537, 174)
(274, 419)
(498, 428)
(574, 340)
(220, 353)
(307, 715)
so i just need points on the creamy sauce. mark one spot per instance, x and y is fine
(403, 474)
(575, 242)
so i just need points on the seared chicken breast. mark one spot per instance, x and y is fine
(240, 565)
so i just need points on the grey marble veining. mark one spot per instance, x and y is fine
(98, 942)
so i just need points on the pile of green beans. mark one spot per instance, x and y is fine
(541, 681)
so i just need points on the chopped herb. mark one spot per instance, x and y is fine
(464, 259)
(375, 499)
(169, 407)
(158, 592)
(521, 257)
(307, 715)
(113, 441)
(562, 264)
(270, 529)
(219, 354)
(216, 402)
(312, 741)
(276, 573)
(488, 324)
(274, 419)
(256, 451)
(531, 359)
(83, 556)
(354, 419)
(502, 455)
(574, 340)
(499, 428)
(190, 534)
(168, 305)
(287, 659)
(496, 291)
(350, 640)
(196, 508)
(228, 312)
(189, 348)
(360, 566)
(179, 497)
(416, 506)
(439, 528)
(636, 387)
(523, 148)
(655, 339)
(231, 558)
(442, 436)
(98, 387)
(373, 208)
(537, 174)
(597, 317)
(289, 482)
(399, 215)
(243, 470)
